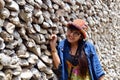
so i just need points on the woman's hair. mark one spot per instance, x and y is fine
(83, 62)
(72, 27)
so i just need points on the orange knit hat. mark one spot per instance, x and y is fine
(81, 25)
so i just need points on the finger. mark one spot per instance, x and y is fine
(50, 37)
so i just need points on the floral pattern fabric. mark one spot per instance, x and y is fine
(75, 72)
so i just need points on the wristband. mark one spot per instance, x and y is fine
(53, 50)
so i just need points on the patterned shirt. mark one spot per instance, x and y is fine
(73, 68)
(74, 74)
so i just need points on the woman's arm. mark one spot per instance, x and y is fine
(101, 78)
(56, 59)
(97, 68)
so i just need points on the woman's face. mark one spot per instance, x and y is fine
(73, 35)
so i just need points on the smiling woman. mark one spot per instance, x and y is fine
(73, 34)
(75, 58)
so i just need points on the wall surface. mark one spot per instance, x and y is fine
(25, 27)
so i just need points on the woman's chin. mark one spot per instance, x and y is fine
(70, 40)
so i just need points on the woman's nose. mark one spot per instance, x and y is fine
(71, 34)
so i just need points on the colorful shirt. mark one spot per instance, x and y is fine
(74, 74)
(73, 71)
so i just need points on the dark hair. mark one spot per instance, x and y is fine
(72, 27)
(82, 62)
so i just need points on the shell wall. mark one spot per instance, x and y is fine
(25, 27)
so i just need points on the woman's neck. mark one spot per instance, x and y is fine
(74, 47)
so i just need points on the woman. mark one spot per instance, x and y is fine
(75, 58)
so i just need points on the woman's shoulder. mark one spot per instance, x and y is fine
(90, 48)
(89, 43)
(61, 43)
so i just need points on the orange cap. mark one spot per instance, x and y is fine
(81, 25)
